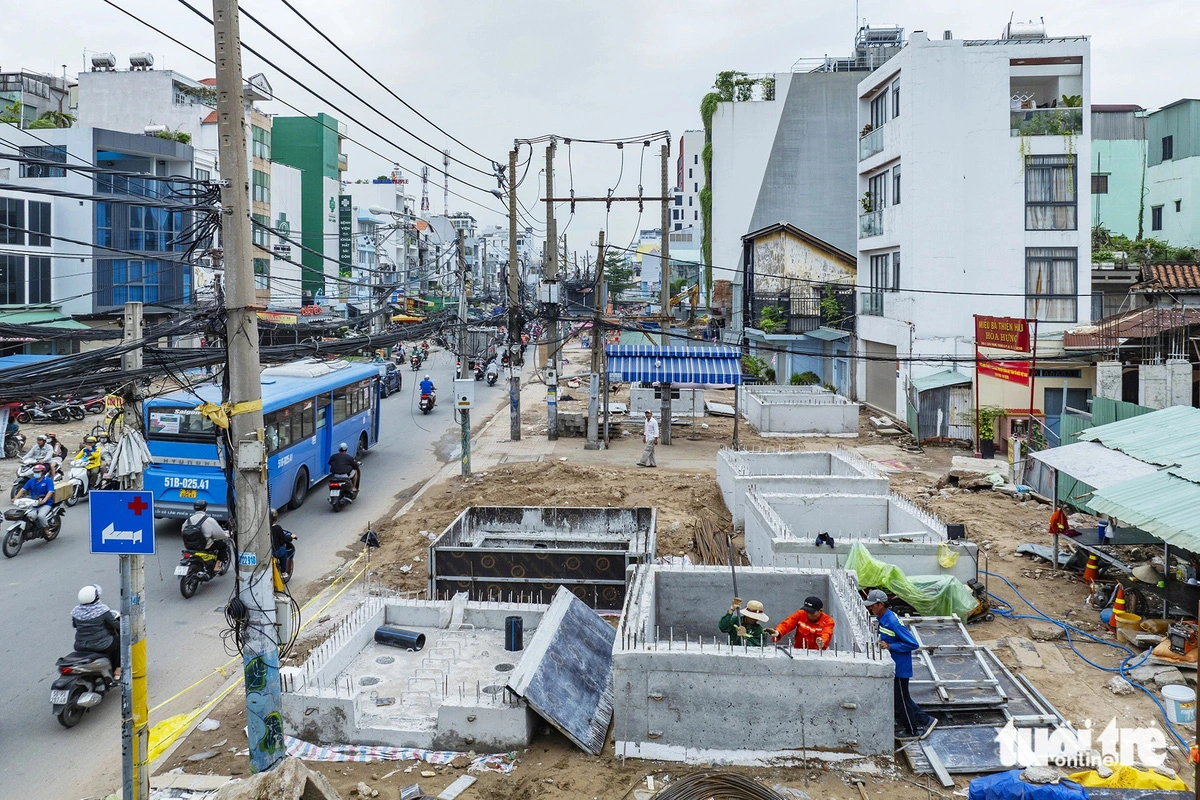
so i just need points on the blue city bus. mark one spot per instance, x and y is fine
(309, 407)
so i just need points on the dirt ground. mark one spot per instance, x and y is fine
(552, 768)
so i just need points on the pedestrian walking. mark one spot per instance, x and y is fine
(650, 436)
(911, 721)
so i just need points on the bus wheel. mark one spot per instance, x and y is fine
(362, 447)
(300, 489)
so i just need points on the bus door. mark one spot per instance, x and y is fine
(375, 414)
(324, 435)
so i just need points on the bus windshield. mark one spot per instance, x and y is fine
(180, 425)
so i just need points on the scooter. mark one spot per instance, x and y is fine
(23, 515)
(425, 403)
(194, 568)
(492, 375)
(478, 371)
(24, 473)
(415, 362)
(80, 481)
(341, 491)
(83, 680)
(14, 443)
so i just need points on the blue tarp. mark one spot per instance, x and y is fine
(706, 366)
(1009, 786)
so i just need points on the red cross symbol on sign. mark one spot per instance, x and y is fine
(137, 506)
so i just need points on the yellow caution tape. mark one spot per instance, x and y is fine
(219, 414)
(164, 734)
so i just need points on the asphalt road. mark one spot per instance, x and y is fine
(38, 757)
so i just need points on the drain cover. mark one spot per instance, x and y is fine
(368, 680)
(492, 689)
(504, 668)
(385, 660)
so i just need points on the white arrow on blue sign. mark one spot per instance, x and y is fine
(122, 523)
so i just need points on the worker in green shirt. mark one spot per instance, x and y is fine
(746, 627)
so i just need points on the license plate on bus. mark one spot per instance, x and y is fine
(58, 697)
(187, 494)
(181, 571)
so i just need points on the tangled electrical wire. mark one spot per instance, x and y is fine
(716, 786)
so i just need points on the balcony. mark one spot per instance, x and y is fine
(870, 224)
(804, 311)
(870, 144)
(1046, 122)
(872, 304)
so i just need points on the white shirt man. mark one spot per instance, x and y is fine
(650, 437)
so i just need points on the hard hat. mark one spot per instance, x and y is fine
(343, 447)
(89, 595)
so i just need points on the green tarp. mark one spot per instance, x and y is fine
(929, 595)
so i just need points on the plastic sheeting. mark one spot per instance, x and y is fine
(1009, 786)
(929, 595)
(1127, 777)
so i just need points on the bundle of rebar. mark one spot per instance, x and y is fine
(716, 786)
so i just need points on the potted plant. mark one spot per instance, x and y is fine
(868, 205)
(866, 129)
(987, 431)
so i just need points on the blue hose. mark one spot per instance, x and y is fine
(1067, 629)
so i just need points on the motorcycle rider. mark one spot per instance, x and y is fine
(427, 387)
(97, 628)
(58, 450)
(41, 451)
(91, 456)
(209, 527)
(281, 546)
(342, 463)
(41, 488)
(493, 370)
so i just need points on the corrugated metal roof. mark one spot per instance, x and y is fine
(1161, 504)
(708, 366)
(946, 377)
(1168, 437)
(1094, 464)
(1188, 470)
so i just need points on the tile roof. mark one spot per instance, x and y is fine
(1144, 323)
(1169, 277)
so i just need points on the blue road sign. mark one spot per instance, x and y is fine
(122, 523)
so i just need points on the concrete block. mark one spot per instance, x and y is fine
(1043, 631)
(1025, 652)
(1052, 658)
(1108, 379)
(291, 780)
(799, 411)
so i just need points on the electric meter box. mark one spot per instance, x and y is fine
(464, 392)
(548, 292)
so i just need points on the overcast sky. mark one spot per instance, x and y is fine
(489, 72)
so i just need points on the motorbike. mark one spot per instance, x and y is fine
(81, 484)
(478, 371)
(83, 680)
(415, 363)
(286, 564)
(194, 568)
(424, 351)
(42, 411)
(341, 491)
(23, 516)
(425, 403)
(14, 443)
(24, 473)
(491, 377)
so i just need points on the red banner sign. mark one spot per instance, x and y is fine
(1011, 371)
(1002, 333)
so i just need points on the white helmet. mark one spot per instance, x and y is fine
(89, 595)
(427, 376)
(343, 447)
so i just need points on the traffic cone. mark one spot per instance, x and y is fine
(1092, 570)
(1118, 607)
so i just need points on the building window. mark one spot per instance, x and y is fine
(203, 175)
(1178, 208)
(674, 213)
(895, 99)
(260, 232)
(877, 189)
(695, 215)
(696, 159)
(1050, 281)
(1156, 218)
(885, 272)
(689, 173)
(261, 187)
(1168, 148)
(56, 154)
(896, 185)
(690, 201)
(678, 199)
(12, 221)
(260, 143)
(262, 274)
(1099, 184)
(879, 109)
(104, 224)
(39, 224)
(133, 280)
(695, 187)
(153, 229)
(1050, 193)
(12, 280)
(39, 279)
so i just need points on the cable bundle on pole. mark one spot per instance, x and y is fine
(716, 786)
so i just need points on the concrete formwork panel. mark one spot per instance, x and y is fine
(799, 411)
(840, 471)
(450, 695)
(682, 693)
(525, 553)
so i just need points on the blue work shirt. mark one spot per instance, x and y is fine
(900, 641)
(38, 489)
(426, 387)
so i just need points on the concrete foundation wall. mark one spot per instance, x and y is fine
(912, 558)
(840, 471)
(798, 411)
(684, 402)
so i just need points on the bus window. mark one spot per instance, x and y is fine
(180, 425)
(341, 402)
(307, 408)
(278, 426)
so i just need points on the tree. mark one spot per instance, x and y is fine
(618, 273)
(11, 114)
(54, 119)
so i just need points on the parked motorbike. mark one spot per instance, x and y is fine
(197, 567)
(23, 516)
(341, 491)
(14, 443)
(42, 411)
(83, 680)
(425, 403)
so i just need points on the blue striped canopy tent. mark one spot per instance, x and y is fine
(697, 366)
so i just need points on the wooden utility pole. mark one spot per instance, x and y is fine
(665, 292)
(549, 289)
(250, 513)
(135, 729)
(593, 423)
(515, 358)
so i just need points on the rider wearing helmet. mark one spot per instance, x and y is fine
(427, 386)
(97, 628)
(342, 463)
(200, 522)
(58, 450)
(281, 546)
(91, 456)
(41, 451)
(41, 488)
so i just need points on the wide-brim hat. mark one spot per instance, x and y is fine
(754, 610)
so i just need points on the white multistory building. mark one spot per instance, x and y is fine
(689, 181)
(968, 186)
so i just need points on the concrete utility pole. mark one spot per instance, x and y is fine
(464, 414)
(135, 729)
(593, 424)
(665, 292)
(260, 653)
(515, 358)
(550, 274)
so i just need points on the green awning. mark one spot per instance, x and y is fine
(50, 317)
(938, 380)
(827, 334)
(1161, 504)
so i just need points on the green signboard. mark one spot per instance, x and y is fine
(345, 235)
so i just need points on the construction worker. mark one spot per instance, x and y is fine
(911, 721)
(814, 628)
(744, 628)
